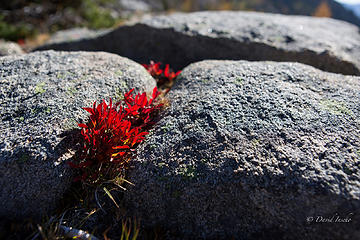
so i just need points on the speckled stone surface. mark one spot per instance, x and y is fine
(9, 48)
(41, 100)
(184, 38)
(253, 150)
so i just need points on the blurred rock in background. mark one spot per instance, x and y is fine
(26, 19)
(9, 48)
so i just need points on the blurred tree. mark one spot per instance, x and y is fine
(323, 10)
(225, 5)
(187, 5)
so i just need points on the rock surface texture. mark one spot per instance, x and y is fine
(41, 96)
(9, 48)
(75, 34)
(181, 39)
(253, 150)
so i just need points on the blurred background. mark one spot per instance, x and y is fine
(30, 22)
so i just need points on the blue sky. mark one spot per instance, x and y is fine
(349, 1)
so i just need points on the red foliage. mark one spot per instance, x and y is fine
(21, 42)
(113, 131)
(154, 69)
(163, 76)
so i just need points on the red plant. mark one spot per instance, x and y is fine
(112, 133)
(21, 42)
(154, 69)
(163, 76)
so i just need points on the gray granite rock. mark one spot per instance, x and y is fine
(253, 150)
(75, 34)
(135, 5)
(9, 48)
(181, 39)
(41, 96)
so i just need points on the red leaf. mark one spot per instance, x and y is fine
(82, 125)
(121, 147)
(90, 110)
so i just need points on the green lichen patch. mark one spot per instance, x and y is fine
(336, 107)
(71, 91)
(238, 81)
(39, 88)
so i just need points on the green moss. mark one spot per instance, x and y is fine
(335, 107)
